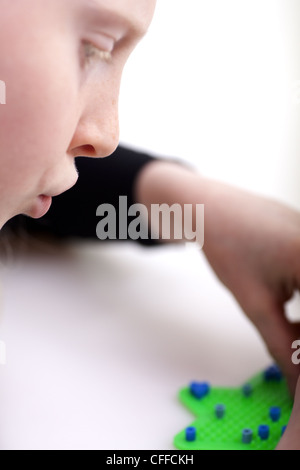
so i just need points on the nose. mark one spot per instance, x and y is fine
(97, 131)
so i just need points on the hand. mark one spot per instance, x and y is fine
(253, 245)
(291, 437)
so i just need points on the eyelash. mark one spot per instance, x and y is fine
(93, 53)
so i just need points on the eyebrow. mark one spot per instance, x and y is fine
(136, 29)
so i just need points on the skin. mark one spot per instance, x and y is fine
(62, 100)
(291, 436)
(52, 113)
(253, 245)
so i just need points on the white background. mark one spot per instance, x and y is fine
(212, 83)
(100, 339)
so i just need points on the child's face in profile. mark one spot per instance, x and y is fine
(61, 61)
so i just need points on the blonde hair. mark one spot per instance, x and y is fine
(16, 240)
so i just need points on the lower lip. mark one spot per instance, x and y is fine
(41, 206)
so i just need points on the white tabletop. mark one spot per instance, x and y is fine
(100, 338)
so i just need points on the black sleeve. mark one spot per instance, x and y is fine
(73, 213)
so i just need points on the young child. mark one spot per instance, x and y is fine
(61, 61)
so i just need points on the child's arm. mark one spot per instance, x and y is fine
(252, 243)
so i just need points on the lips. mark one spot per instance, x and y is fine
(61, 191)
(40, 206)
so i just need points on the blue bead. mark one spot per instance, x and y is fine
(220, 411)
(190, 434)
(264, 432)
(273, 373)
(247, 390)
(275, 413)
(283, 429)
(247, 435)
(199, 389)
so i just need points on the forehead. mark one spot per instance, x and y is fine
(137, 14)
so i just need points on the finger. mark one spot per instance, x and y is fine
(291, 437)
(278, 334)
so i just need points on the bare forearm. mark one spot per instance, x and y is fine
(170, 184)
(162, 182)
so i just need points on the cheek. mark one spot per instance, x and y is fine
(37, 123)
(41, 76)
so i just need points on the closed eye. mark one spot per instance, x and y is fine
(93, 53)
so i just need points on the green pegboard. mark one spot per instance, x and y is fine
(241, 411)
